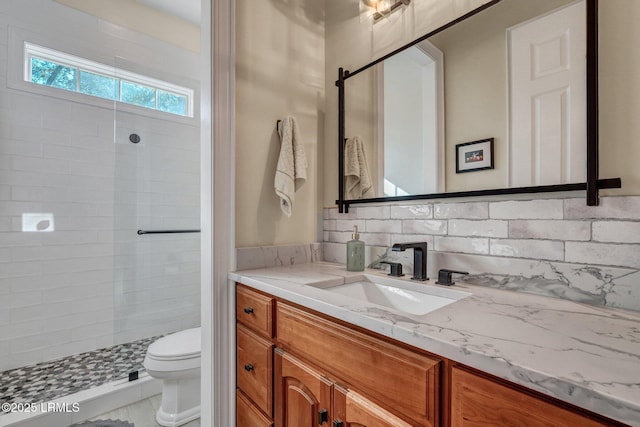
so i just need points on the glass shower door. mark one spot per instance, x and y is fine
(157, 208)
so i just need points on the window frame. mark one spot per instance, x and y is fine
(32, 50)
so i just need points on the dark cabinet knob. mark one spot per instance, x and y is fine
(338, 423)
(248, 367)
(323, 416)
(248, 310)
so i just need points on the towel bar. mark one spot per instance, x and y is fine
(141, 232)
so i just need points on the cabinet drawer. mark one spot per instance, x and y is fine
(255, 368)
(247, 415)
(254, 310)
(479, 401)
(403, 381)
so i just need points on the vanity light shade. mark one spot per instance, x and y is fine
(382, 8)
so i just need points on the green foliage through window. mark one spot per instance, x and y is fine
(50, 74)
(172, 103)
(98, 85)
(86, 80)
(138, 95)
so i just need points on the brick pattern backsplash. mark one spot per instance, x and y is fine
(511, 239)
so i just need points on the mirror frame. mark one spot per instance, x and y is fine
(593, 183)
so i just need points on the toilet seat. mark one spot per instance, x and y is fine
(180, 345)
(175, 352)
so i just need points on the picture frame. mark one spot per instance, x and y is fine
(474, 156)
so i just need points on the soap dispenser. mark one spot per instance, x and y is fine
(355, 252)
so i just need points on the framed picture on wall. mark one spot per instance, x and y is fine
(474, 156)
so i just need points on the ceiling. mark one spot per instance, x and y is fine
(185, 9)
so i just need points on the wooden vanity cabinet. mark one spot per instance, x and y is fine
(254, 358)
(299, 368)
(377, 383)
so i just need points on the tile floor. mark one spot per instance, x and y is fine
(141, 414)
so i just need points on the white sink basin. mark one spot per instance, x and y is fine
(408, 297)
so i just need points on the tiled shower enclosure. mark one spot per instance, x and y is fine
(79, 176)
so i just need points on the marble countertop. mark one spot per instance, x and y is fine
(585, 355)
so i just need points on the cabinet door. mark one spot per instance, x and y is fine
(355, 410)
(477, 401)
(302, 395)
(403, 380)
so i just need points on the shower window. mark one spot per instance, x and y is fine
(98, 85)
(48, 67)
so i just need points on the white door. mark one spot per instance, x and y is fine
(547, 98)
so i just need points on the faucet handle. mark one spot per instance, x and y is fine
(444, 276)
(396, 268)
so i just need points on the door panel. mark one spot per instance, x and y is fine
(301, 393)
(357, 411)
(547, 98)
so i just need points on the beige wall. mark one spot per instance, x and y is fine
(619, 79)
(143, 19)
(349, 40)
(279, 72)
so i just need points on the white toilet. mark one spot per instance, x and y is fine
(175, 359)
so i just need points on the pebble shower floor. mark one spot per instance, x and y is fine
(46, 381)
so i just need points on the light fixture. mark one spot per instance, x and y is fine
(382, 8)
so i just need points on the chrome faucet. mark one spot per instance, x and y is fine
(419, 258)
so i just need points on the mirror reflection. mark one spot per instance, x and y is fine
(514, 74)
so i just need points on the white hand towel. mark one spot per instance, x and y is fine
(291, 171)
(356, 170)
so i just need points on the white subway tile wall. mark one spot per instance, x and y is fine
(83, 279)
(550, 229)
(475, 245)
(476, 210)
(424, 226)
(536, 249)
(412, 212)
(558, 247)
(616, 231)
(487, 228)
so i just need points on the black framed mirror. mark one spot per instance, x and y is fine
(377, 101)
